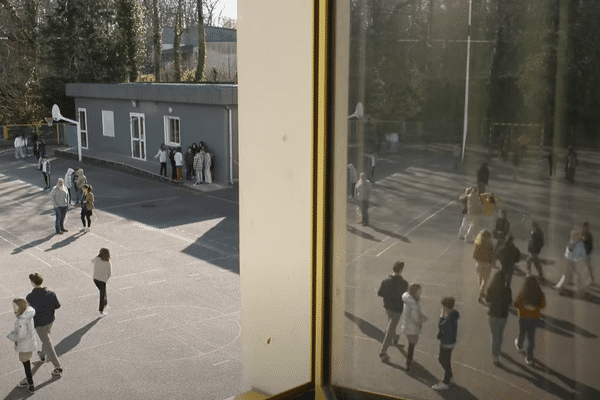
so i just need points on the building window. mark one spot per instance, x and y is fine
(108, 123)
(172, 133)
(82, 113)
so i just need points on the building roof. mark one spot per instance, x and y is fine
(190, 36)
(212, 94)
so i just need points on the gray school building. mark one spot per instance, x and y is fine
(134, 119)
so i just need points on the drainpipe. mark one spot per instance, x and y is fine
(229, 114)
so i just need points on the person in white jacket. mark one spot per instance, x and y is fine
(412, 319)
(102, 272)
(69, 183)
(574, 252)
(24, 338)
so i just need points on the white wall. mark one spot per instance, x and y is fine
(275, 144)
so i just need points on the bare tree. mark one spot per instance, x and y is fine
(177, 41)
(201, 44)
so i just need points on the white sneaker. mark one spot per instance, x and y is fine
(440, 386)
(517, 345)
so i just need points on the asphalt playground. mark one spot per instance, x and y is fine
(414, 217)
(173, 326)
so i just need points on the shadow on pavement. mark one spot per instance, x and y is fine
(21, 392)
(67, 241)
(29, 245)
(366, 327)
(390, 234)
(581, 295)
(362, 234)
(211, 247)
(580, 390)
(71, 341)
(548, 322)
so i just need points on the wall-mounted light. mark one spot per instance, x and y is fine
(170, 110)
(134, 103)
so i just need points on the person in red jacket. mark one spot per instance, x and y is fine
(529, 303)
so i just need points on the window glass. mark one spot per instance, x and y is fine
(172, 133)
(471, 164)
(83, 127)
(108, 123)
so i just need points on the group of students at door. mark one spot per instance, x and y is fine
(198, 162)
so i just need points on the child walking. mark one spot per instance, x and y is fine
(530, 302)
(412, 320)
(25, 342)
(448, 330)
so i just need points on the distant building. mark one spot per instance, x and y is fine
(221, 51)
(134, 119)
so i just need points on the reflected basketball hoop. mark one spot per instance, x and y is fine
(49, 120)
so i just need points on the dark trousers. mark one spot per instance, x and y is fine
(445, 360)
(61, 213)
(527, 329)
(46, 180)
(102, 288)
(364, 210)
(85, 215)
(163, 169)
(534, 259)
(189, 172)
(409, 355)
(28, 374)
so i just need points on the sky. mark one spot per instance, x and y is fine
(230, 8)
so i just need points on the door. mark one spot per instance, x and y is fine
(138, 136)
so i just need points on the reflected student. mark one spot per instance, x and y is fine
(412, 320)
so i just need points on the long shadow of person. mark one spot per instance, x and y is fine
(582, 391)
(362, 234)
(366, 327)
(65, 242)
(30, 245)
(548, 321)
(71, 341)
(391, 234)
(581, 295)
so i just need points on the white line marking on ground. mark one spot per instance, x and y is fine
(413, 229)
(136, 318)
(152, 283)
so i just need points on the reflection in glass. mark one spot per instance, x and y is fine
(482, 114)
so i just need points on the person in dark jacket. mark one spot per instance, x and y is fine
(189, 164)
(536, 242)
(499, 299)
(173, 165)
(588, 242)
(508, 255)
(44, 302)
(502, 228)
(391, 289)
(448, 331)
(483, 177)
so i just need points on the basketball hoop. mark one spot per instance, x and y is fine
(49, 121)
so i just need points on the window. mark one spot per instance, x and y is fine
(108, 123)
(83, 127)
(172, 134)
(434, 106)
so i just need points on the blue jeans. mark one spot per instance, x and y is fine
(497, 328)
(61, 213)
(527, 328)
(390, 334)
